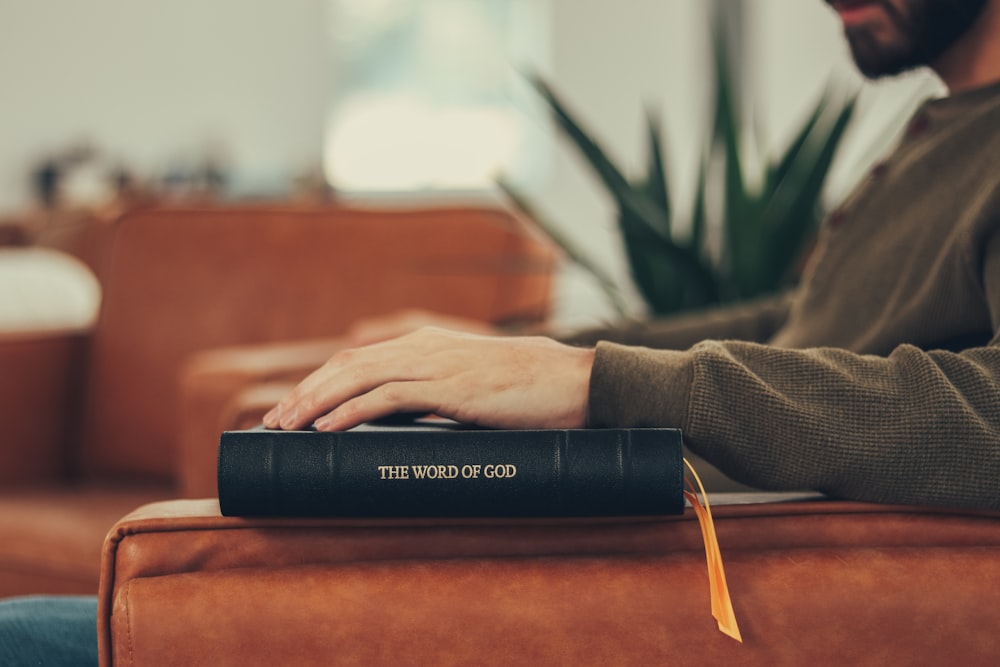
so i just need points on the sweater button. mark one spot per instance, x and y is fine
(836, 218)
(879, 170)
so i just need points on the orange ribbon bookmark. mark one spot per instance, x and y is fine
(722, 605)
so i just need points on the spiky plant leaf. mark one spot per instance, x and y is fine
(656, 185)
(778, 169)
(795, 208)
(763, 230)
(593, 153)
(568, 246)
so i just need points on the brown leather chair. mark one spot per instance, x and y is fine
(91, 419)
(813, 582)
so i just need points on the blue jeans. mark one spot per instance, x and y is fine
(54, 631)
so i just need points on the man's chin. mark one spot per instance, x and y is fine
(875, 60)
(888, 38)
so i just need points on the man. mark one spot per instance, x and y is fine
(880, 379)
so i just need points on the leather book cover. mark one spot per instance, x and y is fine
(446, 470)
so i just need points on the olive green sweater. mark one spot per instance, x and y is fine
(879, 378)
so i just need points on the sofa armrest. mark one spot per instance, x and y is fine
(181, 584)
(220, 390)
(42, 373)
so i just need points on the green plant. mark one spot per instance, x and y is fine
(764, 229)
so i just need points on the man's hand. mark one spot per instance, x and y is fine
(490, 381)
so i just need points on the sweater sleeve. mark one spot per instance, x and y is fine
(913, 426)
(754, 321)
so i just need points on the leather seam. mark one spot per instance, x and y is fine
(128, 623)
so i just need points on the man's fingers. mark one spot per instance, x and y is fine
(330, 386)
(382, 401)
(354, 372)
(504, 383)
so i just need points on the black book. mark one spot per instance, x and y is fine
(446, 470)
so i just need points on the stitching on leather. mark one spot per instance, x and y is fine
(128, 623)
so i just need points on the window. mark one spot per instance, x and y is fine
(427, 94)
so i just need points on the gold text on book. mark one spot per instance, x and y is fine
(490, 471)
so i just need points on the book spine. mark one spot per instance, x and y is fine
(612, 472)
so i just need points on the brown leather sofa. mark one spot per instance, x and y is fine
(91, 420)
(813, 582)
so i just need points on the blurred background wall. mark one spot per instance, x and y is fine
(160, 84)
(166, 89)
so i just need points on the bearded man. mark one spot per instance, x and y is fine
(878, 379)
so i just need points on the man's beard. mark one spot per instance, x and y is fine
(925, 29)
